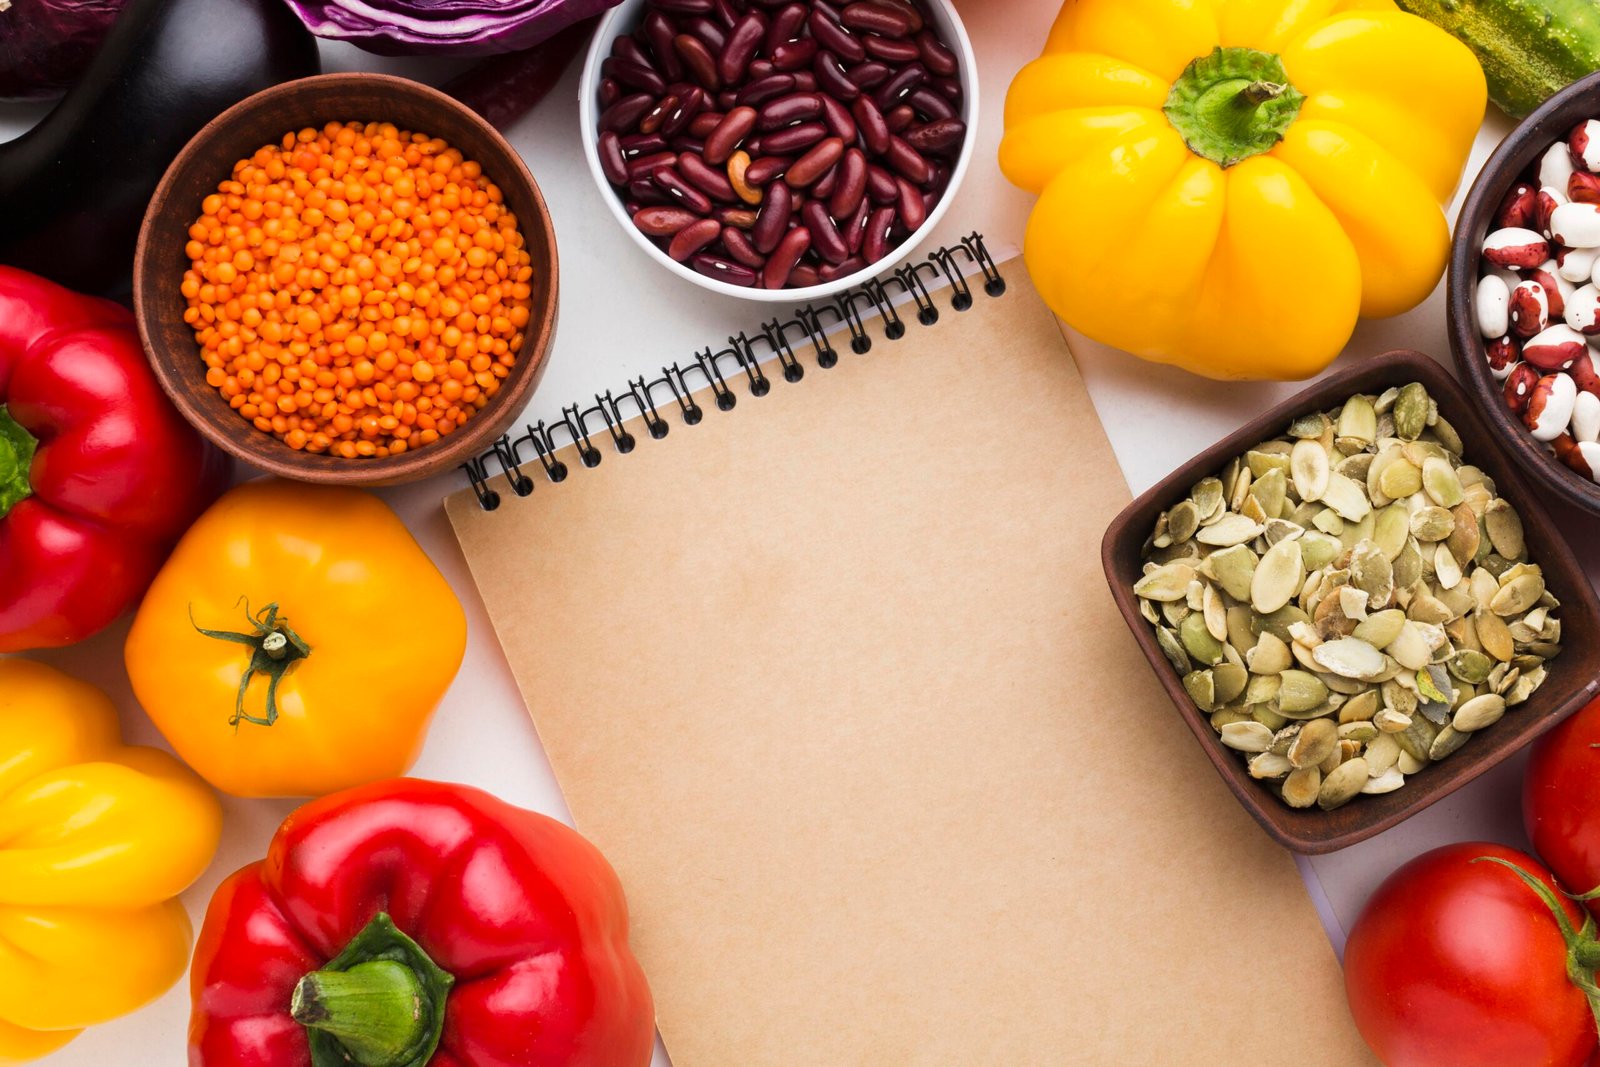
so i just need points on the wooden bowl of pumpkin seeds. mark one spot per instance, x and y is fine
(1356, 602)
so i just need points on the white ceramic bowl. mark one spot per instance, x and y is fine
(625, 17)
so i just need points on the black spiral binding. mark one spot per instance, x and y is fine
(645, 398)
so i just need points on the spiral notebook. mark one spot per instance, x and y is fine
(814, 632)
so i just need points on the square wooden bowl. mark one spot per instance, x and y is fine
(1574, 676)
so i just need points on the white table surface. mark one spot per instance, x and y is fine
(622, 316)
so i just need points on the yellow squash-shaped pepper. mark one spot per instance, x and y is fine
(1226, 185)
(297, 642)
(97, 839)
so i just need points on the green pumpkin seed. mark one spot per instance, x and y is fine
(1391, 530)
(1228, 531)
(1504, 526)
(1432, 524)
(1313, 744)
(1246, 736)
(1317, 550)
(1358, 420)
(1382, 753)
(1464, 538)
(1277, 577)
(1471, 666)
(1167, 583)
(1517, 595)
(1198, 642)
(1445, 567)
(1308, 464)
(1360, 708)
(1269, 656)
(1299, 691)
(1310, 427)
(1346, 498)
(1411, 408)
(1441, 483)
(1400, 479)
(1387, 782)
(1479, 712)
(1202, 689)
(1268, 765)
(1301, 787)
(1340, 787)
(1448, 741)
(1183, 520)
(1349, 657)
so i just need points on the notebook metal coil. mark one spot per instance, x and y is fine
(782, 340)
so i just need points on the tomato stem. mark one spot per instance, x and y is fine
(274, 648)
(1583, 950)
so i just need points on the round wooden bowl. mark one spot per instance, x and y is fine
(1526, 143)
(160, 263)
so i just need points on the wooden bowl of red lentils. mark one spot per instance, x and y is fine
(349, 278)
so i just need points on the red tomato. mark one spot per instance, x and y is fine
(1561, 801)
(1461, 964)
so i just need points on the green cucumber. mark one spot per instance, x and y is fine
(1530, 49)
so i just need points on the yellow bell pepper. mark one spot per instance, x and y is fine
(97, 839)
(296, 643)
(1227, 185)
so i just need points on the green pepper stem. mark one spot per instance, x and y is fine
(17, 447)
(374, 1010)
(1233, 104)
(379, 1003)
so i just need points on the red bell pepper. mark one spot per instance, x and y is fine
(99, 475)
(407, 923)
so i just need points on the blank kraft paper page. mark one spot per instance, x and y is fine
(835, 682)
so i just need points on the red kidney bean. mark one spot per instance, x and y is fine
(659, 31)
(897, 87)
(805, 81)
(885, 19)
(752, 145)
(734, 127)
(765, 89)
(642, 144)
(854, 228)
(822, 188)
(912, 211)
(663, 221)
(950, 89)
(784, 27)
(881, 187)
(793, 55)
(938, 137)
(829, 9)
(763, 170)
(773, 219)
(851, 188)
(832, 271)
(738, 218)
(657, 115)
(689, 144)
(725, 11)
(837, 118)
(792, 139)
(626, 48)
(644, 166)
(743, 40)
(874, 130)
(625, 114)
(726, 99)
(644, 190)
(831, 80)
(899, 119)
(690, 103)
(788, 110)
(708, 179)
(611, 161)
(786, 257)
(875, 243)
(723, 271)
(908, 161)
(740, 248)
(635, 75)
(824, 236)
(869, 75)
(693, 237)
(697, 58)
(895, 50)
(610, 92)
(803, 277)
(683, 7)
(702, 124)
(684, 194)
(929, 104)
(710, 33)
(835, 38)
(760, 68)
(939, 60)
